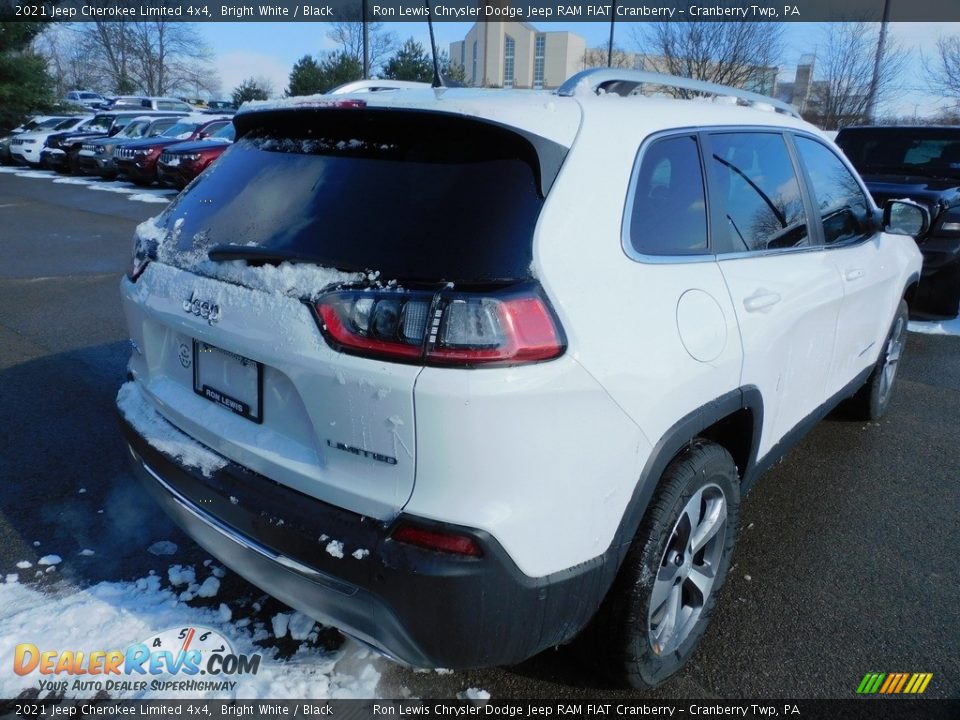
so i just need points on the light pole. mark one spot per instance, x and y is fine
(366, 41)
(878, 58)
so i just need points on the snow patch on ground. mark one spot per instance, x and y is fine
(161, 434)
(86, 552)
(474, 694)
(162, 547)
(50, 560)
(24, 564)
(280, 624)
(148, 198)
(114, 615)
(936, 327)
(209, 588)
(335, 548)
(180, 575)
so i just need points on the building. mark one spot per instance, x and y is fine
(517, 55)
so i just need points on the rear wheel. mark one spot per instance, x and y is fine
(872, 400)
(662, 600)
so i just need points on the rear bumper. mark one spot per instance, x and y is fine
(423, 608)
(133, 169)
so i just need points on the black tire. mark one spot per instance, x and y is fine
(621, 636)
(872, 400)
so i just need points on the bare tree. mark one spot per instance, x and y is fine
(840, 93)
(110, 45)
(597, 58)
(171, 56)
(71, 64)
(731, 53)
(943, 72)
(156, 57)
(349, 37)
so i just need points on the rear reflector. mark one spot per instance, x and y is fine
(446, 328)
(437, 541)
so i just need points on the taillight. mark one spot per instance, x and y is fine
(436, 540)
(446, 328)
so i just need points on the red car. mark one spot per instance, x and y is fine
(181, 163)
(137, 161)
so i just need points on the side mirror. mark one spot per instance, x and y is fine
(905, 217)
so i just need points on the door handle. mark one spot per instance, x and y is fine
(761, 301)
(853, 274)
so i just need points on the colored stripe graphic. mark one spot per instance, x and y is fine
(894, 683)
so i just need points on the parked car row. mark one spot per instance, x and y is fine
(126, 144)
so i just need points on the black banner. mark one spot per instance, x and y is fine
(543, 11)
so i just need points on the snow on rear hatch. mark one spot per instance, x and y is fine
(335, 427)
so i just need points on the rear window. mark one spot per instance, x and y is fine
(913, 151)
(413, 195)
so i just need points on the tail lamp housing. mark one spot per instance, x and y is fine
(465, 329)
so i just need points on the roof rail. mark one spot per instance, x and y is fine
(377, 86)
(626, 82)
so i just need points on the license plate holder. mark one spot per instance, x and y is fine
(228, 380)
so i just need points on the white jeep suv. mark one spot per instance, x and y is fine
(466, 372)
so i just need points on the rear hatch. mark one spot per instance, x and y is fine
(231, 349)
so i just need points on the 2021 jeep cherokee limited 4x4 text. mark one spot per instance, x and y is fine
(465, 373)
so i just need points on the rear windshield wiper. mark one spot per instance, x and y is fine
(254, 255)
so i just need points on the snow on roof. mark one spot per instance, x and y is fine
(537, 112)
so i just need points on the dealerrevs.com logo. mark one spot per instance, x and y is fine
(189, 659)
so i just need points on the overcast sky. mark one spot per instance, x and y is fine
(269, 50)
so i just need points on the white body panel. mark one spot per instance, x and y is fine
(546, 456)
(311, 394)
(787, 305)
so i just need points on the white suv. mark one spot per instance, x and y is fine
(467, 372)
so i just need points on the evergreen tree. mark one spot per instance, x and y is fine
(25, 85)
(306, 78)
(411, 62)
(251, 89)
(338, 68)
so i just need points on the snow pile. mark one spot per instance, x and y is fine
(50, 560)
(180, 575)
(116, 615)
(297, 280)
(335, 548)
(162, 435)
(209, 588)
(933, 327)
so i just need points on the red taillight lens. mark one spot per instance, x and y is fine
(462, 329)
(437, 541)
(387, 325)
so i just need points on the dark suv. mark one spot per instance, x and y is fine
(923, 164)
(137, 161)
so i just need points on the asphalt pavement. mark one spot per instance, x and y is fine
(847, 560)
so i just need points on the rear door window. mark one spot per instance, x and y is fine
(755, 186)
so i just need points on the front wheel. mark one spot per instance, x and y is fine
(661, 602)
(872, 400)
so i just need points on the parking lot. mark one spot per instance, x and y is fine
(846, 563)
